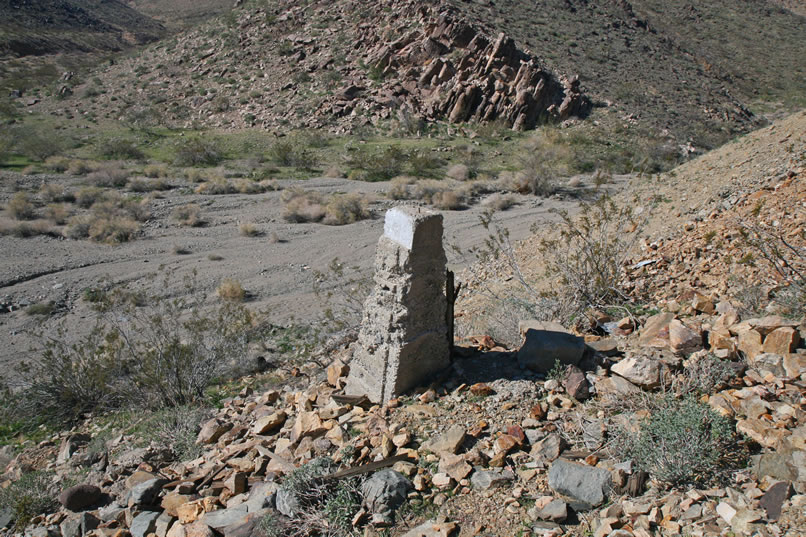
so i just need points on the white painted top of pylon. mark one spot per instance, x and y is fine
(399, 226)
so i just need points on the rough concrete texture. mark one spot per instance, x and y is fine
(404, 334)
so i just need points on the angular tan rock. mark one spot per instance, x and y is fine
(782, 340)
(337, 370)
(269, 423)
(172, 501)
(212, 430)
(762, 432)
(450, 441)
(307, 424)
(455, 466)
(794, 365)
(640, 370)
(682, 339)
(655, 333)
(749, 342)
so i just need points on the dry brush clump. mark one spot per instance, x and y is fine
(231, 290)
(112, 218)
(445, 195)
(335, 210)
(109, 177)
(188, 215)
(21, 206)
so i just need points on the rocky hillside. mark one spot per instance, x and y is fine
(40, 28)
(293, 65)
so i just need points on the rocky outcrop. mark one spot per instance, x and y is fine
(451, 71)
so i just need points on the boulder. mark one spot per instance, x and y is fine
(144, 523)
(586, 486)
(450, 441)
(488, 479)
(782, 340)
(640, 370)
(682, 339)
(146, 492)
(80, 497)
(542, 348)
(384, 492)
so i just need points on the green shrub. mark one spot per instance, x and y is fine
(706, 375)
(682, 441)
(120, 148)
(197, 151)
(41, 308)
(291, 152)
(378, 165)
(29, 496)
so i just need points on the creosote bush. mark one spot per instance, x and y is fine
(682, 441)
(188, 215)
(143, 351)
(197, 151)
(29, 496)
(337, 209)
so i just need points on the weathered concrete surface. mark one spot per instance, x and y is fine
(404, 334)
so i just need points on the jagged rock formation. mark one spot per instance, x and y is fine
(451, 71)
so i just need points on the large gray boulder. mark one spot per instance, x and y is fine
(585, 486)
(144, 523)
(542, 347)
(384, 492)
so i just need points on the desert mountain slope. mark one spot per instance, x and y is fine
(53, 26)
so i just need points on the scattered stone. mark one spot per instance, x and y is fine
(555, 511)
(774, 498)
(543, 347)
(640, 370)
(384, 492)
(586, 486)
(548, 449)
(432, 528)
(146, 493)
(269, 423)
(144, 523)
(576, 384)
(450, 441)
(80, 497)
(454, 466)
(488, 479)
(682, 339)
(212, 430)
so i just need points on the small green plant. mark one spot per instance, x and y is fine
(42, 308)
(557, 372)
(682, 441)
(29, 496)
(706, 375)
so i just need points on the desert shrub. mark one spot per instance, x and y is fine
(197, 151)
(162, 356)
(248, 229)
(303, 206)
(786, 257)
(291, 152)
(57, 164)
(346, 208)
(231, 290)
(458, 172)
(109, 177)
(78, 227)
(682, 441)
(705, 375)
(139, 184)
(155, 171)
(377, 165)
(177, 428)
(216, 186)
(52, 193)
(448, 200)
(423, 163)
(24, 230)
(401, 188)
(342, 288)
(324, 507)
(34, 143)
(58, 213)
(80, 167)
(21, 207)
(112, 230)
(195, 175)
(588, 256)
(188, 215)
(41, 308)
(120, 148)
(30, 495)
(89, 196)
(247, 186)
(499, 202)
